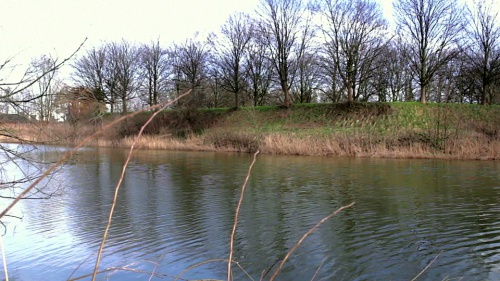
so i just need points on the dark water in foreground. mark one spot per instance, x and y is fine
(176, 210)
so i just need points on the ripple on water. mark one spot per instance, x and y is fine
(182, 213)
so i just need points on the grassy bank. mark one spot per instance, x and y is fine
(403, 130)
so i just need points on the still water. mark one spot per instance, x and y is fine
(176, 210)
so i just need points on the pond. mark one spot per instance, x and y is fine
(175, 213)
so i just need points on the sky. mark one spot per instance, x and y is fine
(30, 28)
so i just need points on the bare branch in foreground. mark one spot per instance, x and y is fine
(429, 265)
(74, 270)
(20, 83)
(115, 199)
(264, 273)
(230, 260)
(75, 149)
(154, 269)
(305, 236)
(317, 270)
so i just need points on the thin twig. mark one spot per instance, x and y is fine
(317, 270)
(197, 265)
(262, 275)
(117, 188)
(38, 78)
(429, 265)
(75, 149)
(154, 269)
(74, 271)
(231, 244)
(305, 236)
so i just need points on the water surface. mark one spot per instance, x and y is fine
(176, 209)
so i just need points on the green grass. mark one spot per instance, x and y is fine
(363, 118)
(326, 120)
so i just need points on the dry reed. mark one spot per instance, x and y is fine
(192, 143)
(237, 212)
(478, 148)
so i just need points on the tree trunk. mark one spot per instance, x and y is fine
(287, 102)
(422, 94)
(112, 102)
(484, 94)
(286, 91)
(350, 92)
(236, 100)
(124, 106)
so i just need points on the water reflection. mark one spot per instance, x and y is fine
(177, 209)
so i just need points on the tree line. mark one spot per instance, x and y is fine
(300, 51)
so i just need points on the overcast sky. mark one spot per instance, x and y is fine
(30, 28)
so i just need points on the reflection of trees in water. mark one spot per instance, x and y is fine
(138, 201)
(415, 209)
(205, 200)
(21, 164)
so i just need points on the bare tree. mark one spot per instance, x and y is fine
(395, 68)
(430, 28)
(155, 70)
(190, 61)
(46, 88)
(331, 87)
(483, 48)
(90, 71)
(445, 84)
(355, 36)
(283, 23)
(111, 72)
(308, 78)
(259, 70)
(123, 59)
(230, 51)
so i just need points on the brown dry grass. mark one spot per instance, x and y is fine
(477, 146)
(166, 143)
(48, 133)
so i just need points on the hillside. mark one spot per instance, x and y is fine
(402, 130)
(460, 131)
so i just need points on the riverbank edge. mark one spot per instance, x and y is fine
(382, 130)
